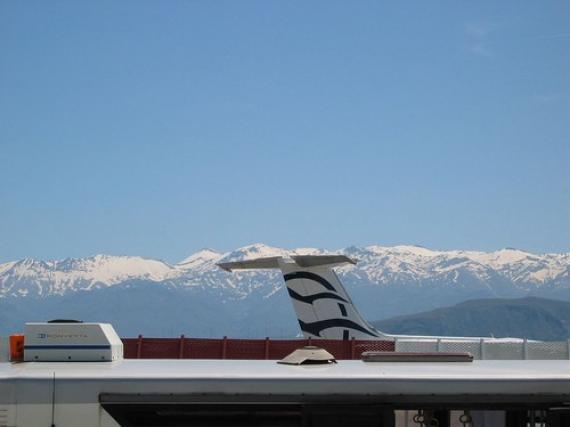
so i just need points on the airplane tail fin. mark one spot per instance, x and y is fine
(323, 307)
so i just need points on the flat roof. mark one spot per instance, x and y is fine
(483, 381)
(270, 369)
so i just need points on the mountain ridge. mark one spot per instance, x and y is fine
(386, 282)
(530, 317)
(381, 265)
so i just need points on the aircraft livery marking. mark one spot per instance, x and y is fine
(310, 276)
(315, 328)
(310, 298)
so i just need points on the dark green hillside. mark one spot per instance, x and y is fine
(533, 318)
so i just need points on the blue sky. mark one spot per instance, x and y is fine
(159, 128)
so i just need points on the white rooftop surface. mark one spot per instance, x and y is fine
(84, 382)
(269, 369)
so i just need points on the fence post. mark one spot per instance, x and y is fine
(139, 346)
(352, 349)
(224, 346)
(525, 349)
(568, 348)
(266, 348)
(395, 344)
(181, 347)
(439, 345)
(482, 349)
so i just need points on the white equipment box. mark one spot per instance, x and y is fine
(64, 341)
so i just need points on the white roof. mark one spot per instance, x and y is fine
(527, 381)
(141, 369)
(270, 369)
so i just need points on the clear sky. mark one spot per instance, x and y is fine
(157, 128)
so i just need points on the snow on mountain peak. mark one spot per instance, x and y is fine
(402, 250)
(256, 250)
(203, 255)
(509, 256)
(416, 250)
(403, 264)
(6, 266)
(57, 277)
(113, 269)
(259, 250)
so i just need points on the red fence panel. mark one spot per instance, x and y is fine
(130, 348)
(245, 349)
(202, 348)
(160, 348)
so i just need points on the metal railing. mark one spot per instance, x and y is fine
(489, 349)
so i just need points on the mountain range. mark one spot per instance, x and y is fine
(195, 297)
(530, 317)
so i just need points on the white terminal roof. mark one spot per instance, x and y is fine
(480, 376)
(270, 369)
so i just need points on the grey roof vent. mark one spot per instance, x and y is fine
(391, 356)
(64, 321)
(308, 355)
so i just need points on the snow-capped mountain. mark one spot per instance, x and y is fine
(387, 281)
(43, 278)
(400, 263)
(377, 266)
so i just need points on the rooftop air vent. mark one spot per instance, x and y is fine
(390, 356)
(308, 355)
(61, 341)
